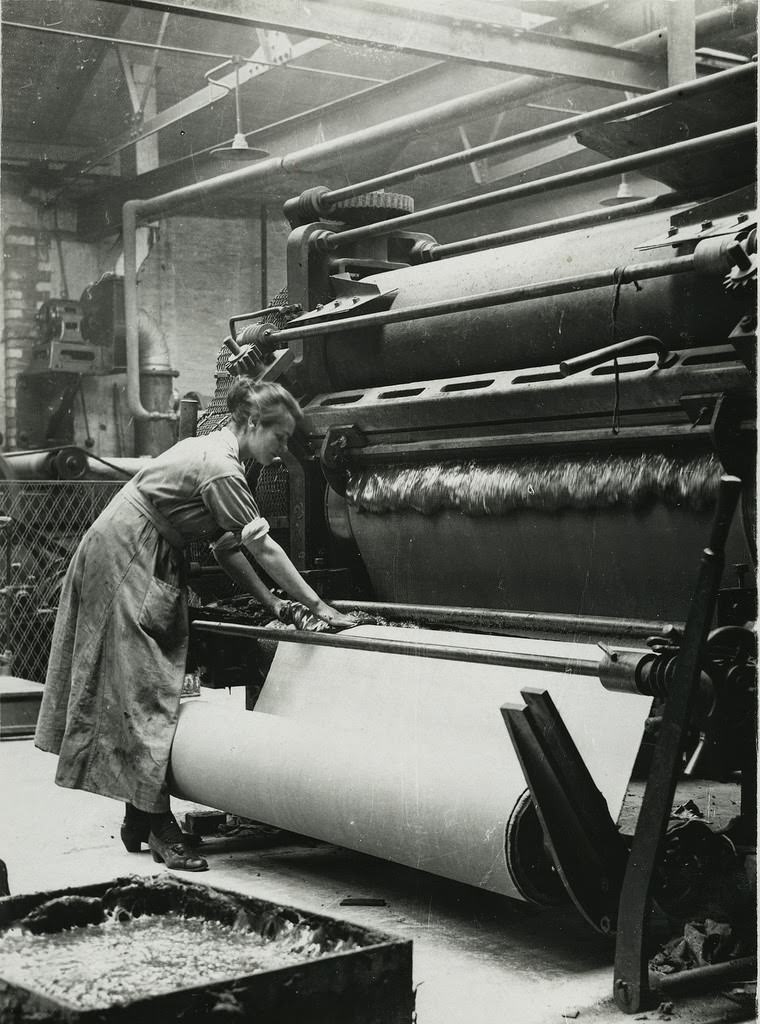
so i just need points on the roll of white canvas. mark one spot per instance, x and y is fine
(398, 756)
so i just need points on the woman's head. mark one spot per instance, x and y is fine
(263, 402)
(264, 416)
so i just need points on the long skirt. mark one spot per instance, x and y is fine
(117, 663)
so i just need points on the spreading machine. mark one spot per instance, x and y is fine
(527, 462)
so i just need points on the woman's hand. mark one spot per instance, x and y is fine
(281, 609)
(333, 618)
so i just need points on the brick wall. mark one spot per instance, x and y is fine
(199, 272)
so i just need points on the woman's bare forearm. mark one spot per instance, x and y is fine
(276, 564)
(240, 571)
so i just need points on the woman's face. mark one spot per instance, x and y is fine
(265, 443)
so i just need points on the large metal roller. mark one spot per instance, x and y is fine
(531, 333)
(403, 757)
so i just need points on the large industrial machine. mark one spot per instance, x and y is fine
(528, 460)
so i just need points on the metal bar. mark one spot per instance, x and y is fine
(50, 30)
(544, 229)
(164, 48)
(491, 445)
(484, 300)
(407, 30)
(631, 987)
(511, 659)
(641, 345)
(690, 147)
(514, 623)
(708, 977)
(545, 133)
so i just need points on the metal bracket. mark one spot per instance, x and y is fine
(730, 417)
(588, 851)
(372, 301)
(333, 456)
(744, 339)
(631, 988)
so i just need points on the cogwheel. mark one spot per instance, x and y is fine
(737, 278)
(371, 208)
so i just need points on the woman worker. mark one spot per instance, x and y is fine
(117, 663)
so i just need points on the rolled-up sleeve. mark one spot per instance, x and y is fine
(230, 502)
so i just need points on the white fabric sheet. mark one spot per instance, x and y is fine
(398, 756)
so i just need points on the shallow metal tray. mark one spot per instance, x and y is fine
(370, 984)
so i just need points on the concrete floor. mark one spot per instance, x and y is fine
(477, 957)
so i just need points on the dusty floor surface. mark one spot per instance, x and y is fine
(478, 958)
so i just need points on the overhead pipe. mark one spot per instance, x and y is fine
(330, 241)
(544, 133)
(451, 111)
(429, 252)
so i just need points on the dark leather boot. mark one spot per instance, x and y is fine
(166, 842)
(135, 830)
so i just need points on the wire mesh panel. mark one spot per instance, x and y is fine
(47, 520)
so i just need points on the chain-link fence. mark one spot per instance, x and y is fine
(45, 522)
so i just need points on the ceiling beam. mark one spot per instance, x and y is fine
(193, 103)
(417, 91)
(443, 37)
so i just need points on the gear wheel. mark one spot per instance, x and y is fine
(371, 208)
(738, 278)
(744, 269)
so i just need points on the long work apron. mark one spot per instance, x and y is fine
(117, 663)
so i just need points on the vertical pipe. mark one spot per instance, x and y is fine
(188, 417)
(263, 225)
(680, 18)
(132, 338)
(158, 431)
